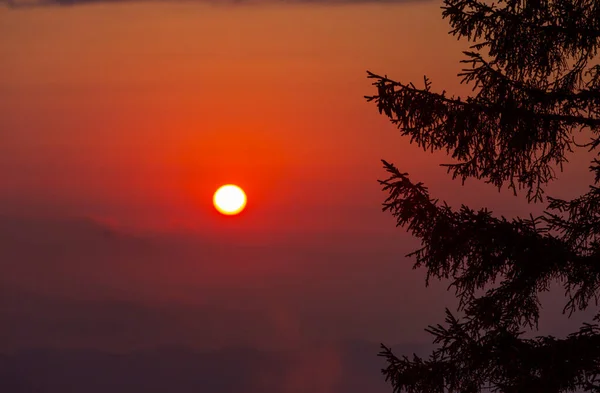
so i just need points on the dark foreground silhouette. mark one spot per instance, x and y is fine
(535, 78)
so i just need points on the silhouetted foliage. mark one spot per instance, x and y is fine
(536, 84)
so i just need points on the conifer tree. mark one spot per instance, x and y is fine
(536, 87)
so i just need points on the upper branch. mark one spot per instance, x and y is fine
(529, 38)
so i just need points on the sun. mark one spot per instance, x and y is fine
(229, 199)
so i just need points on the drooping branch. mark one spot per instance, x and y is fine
(472, 360)
(474, 248)
(501, 141)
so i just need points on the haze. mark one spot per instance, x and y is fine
(119, 120)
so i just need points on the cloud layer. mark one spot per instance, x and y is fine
(78, 283)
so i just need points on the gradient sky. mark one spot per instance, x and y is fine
(119, 120)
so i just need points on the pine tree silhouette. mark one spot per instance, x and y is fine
(536, 82)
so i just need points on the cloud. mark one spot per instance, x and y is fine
(66, 3)
(120, 325)
(79, 282)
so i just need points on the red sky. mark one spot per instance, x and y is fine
(129, 116)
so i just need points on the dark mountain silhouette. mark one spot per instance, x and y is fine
(346, 367)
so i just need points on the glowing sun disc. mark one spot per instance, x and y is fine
(229, 199)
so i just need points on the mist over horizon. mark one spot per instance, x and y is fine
(348, 367)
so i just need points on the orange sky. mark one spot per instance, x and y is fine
(158, 104)
(133, 114)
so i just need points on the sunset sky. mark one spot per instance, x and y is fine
(120, 119)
